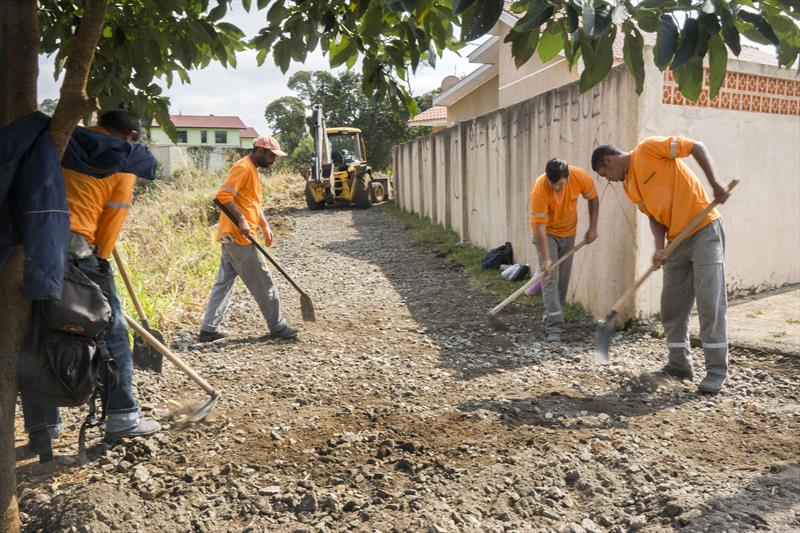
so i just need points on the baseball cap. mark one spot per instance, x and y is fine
(270, 143)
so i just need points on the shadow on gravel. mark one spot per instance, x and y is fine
(438, 295)
(758, 505)
(640, 396)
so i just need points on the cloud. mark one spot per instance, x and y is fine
(246, 90)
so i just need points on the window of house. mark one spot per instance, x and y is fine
(221, 137)
(204, 136)
(181, 136)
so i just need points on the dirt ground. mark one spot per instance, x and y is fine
(401, 410)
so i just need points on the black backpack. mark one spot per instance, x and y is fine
(64, 361)
(502, 255)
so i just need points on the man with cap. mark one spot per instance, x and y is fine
(241, 195)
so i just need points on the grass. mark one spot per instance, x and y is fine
(793, 321)
(447, 244)
(169, 246)
(755, 313)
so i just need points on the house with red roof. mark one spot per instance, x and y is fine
(218, 131)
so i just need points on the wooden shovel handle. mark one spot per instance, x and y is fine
(535, 278)
(674, 243)
(128, 285)
(166, 352)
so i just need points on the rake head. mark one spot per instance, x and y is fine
(495, 322)
(191, 414)
(307, 308)
(602, 339)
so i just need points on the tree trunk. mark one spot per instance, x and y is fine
(19, 70)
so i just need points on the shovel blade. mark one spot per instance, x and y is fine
(145, 356)
(602, 339)
(307, 308)
(495, 322)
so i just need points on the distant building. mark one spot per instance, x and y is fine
(203, 142)
(200, 130)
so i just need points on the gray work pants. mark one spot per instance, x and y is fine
(554, 287)
(246, 262)
(695, 271)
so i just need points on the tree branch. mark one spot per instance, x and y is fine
(74, 102)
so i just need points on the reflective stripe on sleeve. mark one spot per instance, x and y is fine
(118, 205)
(230, 189)
(673, 148)
(538, 215)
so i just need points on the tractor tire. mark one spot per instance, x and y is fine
(361, 196)
(313, 205)
(377, 192)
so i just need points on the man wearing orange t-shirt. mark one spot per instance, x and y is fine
(241, 194)
(668, 192)
(554, 220)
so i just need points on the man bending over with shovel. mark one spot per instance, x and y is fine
(554, 219)
(670, 194)
(241, 195)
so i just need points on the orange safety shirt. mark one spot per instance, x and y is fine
(559, 210)
(664, 187)
(243, 186)
(98, 207)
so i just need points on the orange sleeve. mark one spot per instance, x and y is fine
(539, 209)
(233, 184)
(671, 147)
(586, 182)
(115, 212)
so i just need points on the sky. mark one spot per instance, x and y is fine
(248, 89)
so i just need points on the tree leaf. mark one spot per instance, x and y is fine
(633, 54)
(666, 41)
(718, 64)
(459, 6)
(688, 43)
(551, 41)
(523, 44)
(372, 23)
(647, 20)
(246, 4)
(539, 12)
(761, 26)
(282, 55)
(598, 58)
(690, 78)
(479, 18)
(572, 18)
(341, 51)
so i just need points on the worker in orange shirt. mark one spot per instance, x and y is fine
(99, 200)
(670, 194)
(554, 221)
(241, 194)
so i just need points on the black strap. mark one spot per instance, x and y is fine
(107, 379)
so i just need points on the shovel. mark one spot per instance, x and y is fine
(189, 414)
(306, 305)
(144, 356)
(605, 329)
(498, 324)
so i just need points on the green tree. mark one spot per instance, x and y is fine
(300, 158)
(287, 118)
(48, 105)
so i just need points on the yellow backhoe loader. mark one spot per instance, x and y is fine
(340, 174)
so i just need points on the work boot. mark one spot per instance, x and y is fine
(712, 383)
(553, 337)
(208, 336)
(678, 372)
(144, 428)
(286, 333)
(41, 443)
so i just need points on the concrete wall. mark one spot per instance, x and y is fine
(762, 218)
(193, 138)
(174, 158)
(478, 102)
(475, 178)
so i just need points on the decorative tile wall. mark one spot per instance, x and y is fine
(741, 92)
